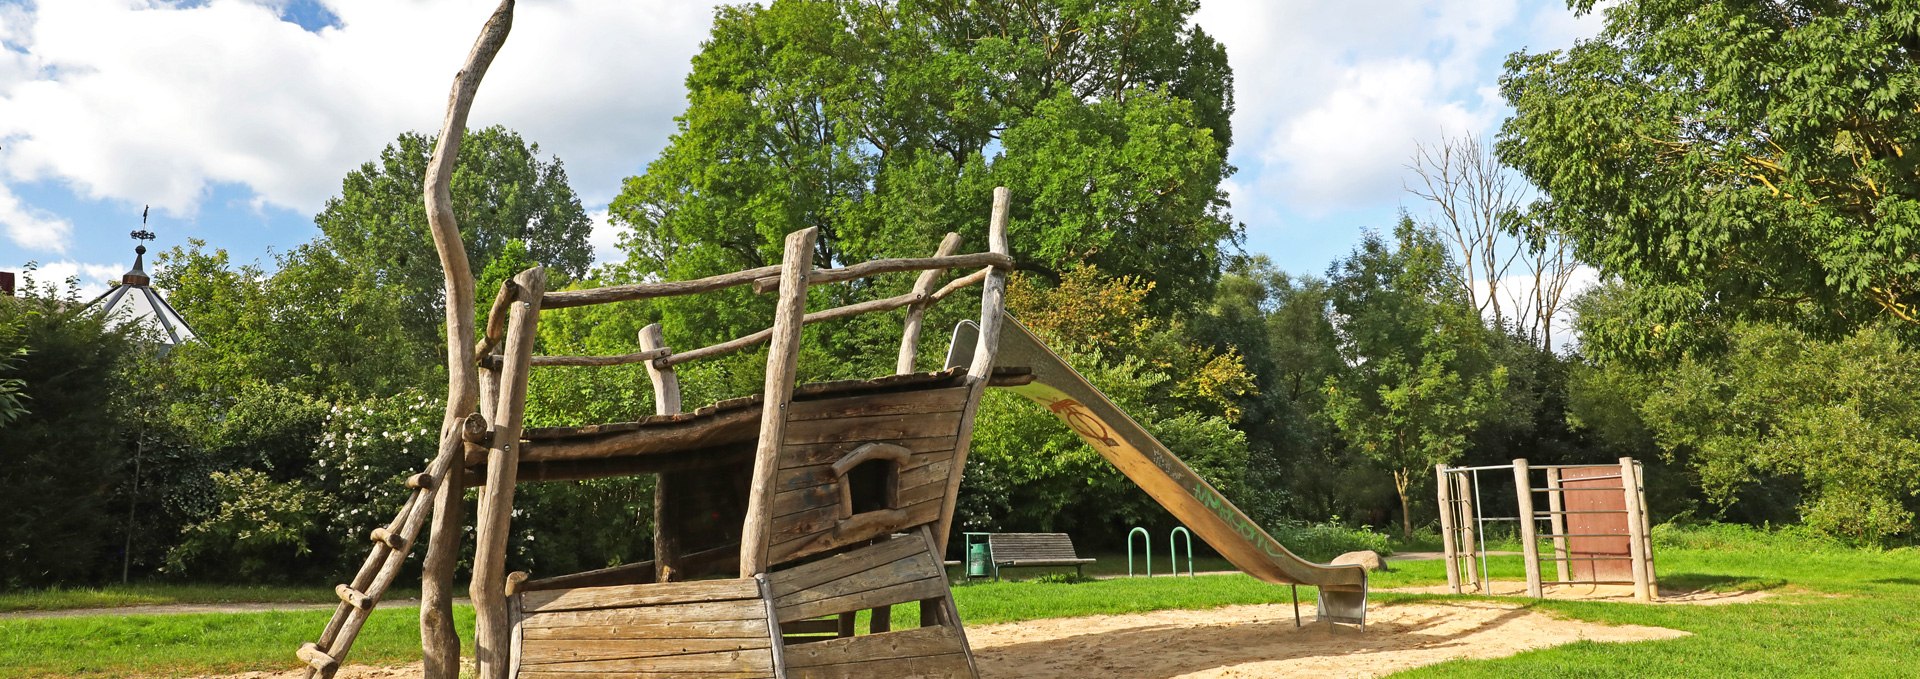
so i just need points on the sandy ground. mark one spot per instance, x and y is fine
(1261, 641)
(1621, 593)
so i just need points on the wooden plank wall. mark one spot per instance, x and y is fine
(1593, 495)
(820, 432)
(713, 629)
(894, 571)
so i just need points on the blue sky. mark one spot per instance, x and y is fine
(236, 119)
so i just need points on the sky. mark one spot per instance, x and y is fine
(237, 119)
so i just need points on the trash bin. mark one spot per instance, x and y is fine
(978, 558)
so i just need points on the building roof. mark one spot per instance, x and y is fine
(135, 301)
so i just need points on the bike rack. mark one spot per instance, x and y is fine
(1148, 540)
(1173, 549)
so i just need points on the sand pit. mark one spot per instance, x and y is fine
(1621, 593)
(1240, 642)
(1261, 641)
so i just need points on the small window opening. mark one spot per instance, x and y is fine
(873, 486)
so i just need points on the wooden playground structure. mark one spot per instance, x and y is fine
(1596, 517)
(779, 517)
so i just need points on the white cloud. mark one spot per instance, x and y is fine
(1516, 290)
(30, 228)
(127, 100)
(1351, 147)
(605, 239)
(92, 279)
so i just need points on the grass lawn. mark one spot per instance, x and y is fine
(1836, 613)
(158, 594)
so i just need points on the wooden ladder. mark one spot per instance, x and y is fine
(390, 546)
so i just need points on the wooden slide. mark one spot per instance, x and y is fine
(1150, 465)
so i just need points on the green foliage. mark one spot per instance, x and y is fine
(1418, 378)
(1735, 537)
(1837, 416)
(1323, 540)
(65, 453)
(12, 401)
(886, 124)
(1753, 160)
(259, 525)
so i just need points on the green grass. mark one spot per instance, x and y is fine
(158, 594)
(1835, 613)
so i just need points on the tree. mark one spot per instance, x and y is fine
(1417, 377)
(886, 123)
(506, 199)
(1836, 415)
(1752, 156)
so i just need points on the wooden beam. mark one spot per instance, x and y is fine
(1557, 522)
(997, 259)
(1636, 531)
(638, 291)
(782, 361)
(992, 304)
(956, 284)
(917, 313)
(492, 628)
(1449, 553)
(738, 343)
(586, 361)
(1529, 528)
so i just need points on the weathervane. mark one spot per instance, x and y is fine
(143, 233)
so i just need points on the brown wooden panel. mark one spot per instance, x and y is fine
(875, 428)
(1596, 558)
(631, 596)
(912, 643)
(916, 566)
(922, 467)
(839, 566)
(722, 610)
(815, 543)
(950, 666)
(950, 399)
(667, 629)
(547, 651)
(759, 662)
(826, 453)
(873, 598)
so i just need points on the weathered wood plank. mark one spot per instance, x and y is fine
(924, 512)
(911, 643)
(825, 453)
(657, 629)
(550, 651)
(755, 661)
(920, 467)
(916, 566)
(783, 359)
(628, 596)
(950, 399)
(842, 565)
(716, 610)
(950, 666)
(875, 428)
(885, 596)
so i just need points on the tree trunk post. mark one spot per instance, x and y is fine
(1636, 531)
(1448, 552)
(1469, 547)
(1557, 505)
(1529, 530)
(666, 401)
(783, 359)
(492, 629)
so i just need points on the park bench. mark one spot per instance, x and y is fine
(1017, 550)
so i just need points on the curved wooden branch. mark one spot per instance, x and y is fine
(439, 642)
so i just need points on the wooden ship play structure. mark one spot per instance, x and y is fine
(779, 516)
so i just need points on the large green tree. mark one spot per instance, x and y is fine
(1753, 159)
(886, 123)
(1418, 376)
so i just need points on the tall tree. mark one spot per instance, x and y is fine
(375, 236)
(1418, 377)
(1754, 156)
(885, 123)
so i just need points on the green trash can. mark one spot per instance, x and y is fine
(978, 560)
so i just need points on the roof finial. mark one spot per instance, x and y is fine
(143, 233)
(138, 276)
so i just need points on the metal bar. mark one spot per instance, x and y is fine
(1588, 511)
(1584, 535)
(1478, 508)
(1485, 468)
(1563, 490)
(1592, 582)
(1590, 558)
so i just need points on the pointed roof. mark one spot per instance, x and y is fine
(135, 301)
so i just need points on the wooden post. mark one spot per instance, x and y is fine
(1448, 551)
(1463, 489)
(666, 486)
(1636, 532)
(993, 294)
(783, 358)
(1646, 526)
(439, 642)
(1529, 539)
(917, 313)
(1557, 522)
(492, 629)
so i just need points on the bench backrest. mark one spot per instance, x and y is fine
(1031, 546)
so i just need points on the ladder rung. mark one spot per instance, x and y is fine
(1587, 558)
(1585, 511)
(316, 658)
(392, 540)
(353, 597)
(1582, 535)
